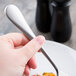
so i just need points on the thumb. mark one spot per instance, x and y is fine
(32, 47)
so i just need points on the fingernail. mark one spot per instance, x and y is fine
(40, 39)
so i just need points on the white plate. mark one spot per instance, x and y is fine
(63, 56)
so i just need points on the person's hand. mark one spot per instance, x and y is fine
(17, 54)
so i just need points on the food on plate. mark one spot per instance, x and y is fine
(36, 75)
(48, 74)
(45, 74)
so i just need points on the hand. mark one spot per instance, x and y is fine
(17, 54)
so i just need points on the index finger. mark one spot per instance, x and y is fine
(17, 39)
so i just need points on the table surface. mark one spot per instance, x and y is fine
(28, 8)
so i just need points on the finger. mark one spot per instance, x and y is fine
(27, 70)
(16, 39)
(32, 47)
(32, 63)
